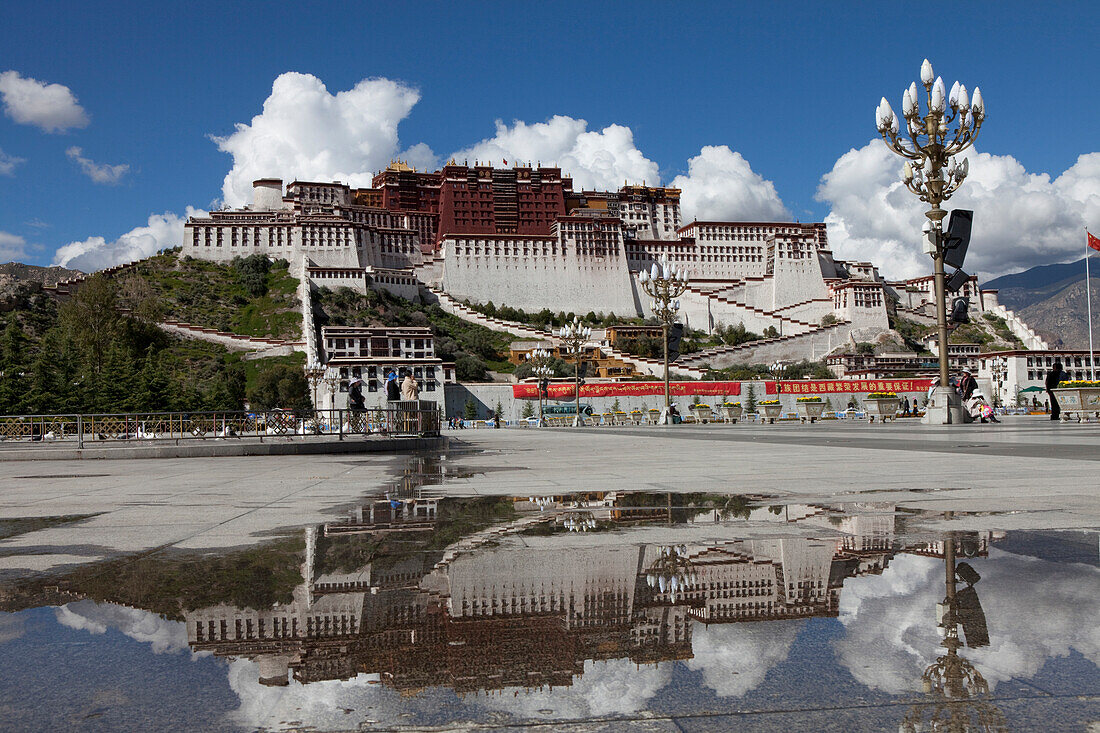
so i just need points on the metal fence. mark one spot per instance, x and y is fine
(420, 418)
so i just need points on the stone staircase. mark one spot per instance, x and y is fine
(232, 341)
(722, 356)
(727, 304)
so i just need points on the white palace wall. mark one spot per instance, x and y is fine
(547, 277)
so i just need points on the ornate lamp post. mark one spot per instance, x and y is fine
(332, 381)
(949, 127)
(574, 336)
(315, 373)
(672, 572)
(541, 367)
(664, 283)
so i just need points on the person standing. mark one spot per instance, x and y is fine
(410, 390)
(393, 389)
(1055, 377)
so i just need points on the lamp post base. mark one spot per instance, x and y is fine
(665, 418)
(945, 408)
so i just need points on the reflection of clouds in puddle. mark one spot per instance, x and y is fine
(325, 705)
(11, 627)
(1036, 610)
(612, 687)
(735, 658)
(143, 626)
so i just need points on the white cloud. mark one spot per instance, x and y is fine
(98, 172)
(1020, 218)
(143, 626)
(305, 132)
(721, 186)
(8, 163)
(95, 253)
(1035, 610)
(12, 246)
(735, 658)
(596, 160)
(49, 107)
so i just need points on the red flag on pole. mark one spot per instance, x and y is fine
(1093, 241)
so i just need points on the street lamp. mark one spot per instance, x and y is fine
(315, 372)
(672, 572)
(949, 127)
(664, 283)
(541, 366)
(574, 336)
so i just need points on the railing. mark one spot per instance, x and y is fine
(419, 418)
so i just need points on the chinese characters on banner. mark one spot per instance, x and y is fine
(849, 386)
(561, 391)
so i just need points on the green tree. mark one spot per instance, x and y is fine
(469, 368)
(280, 385)
(153, 392)
(13, 357)
(469, 410)
(113, 389)
(528, 410)
(91, 318)
(750, 399)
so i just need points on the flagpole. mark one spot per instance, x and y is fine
(1088, 301)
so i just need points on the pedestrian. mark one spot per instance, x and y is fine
(393, 389)
(905, 406)
(410, 390)
(966, 386)
(1055, 377)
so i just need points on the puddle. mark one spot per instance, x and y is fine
(419, 608)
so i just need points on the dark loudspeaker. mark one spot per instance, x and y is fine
(956, 281)
(957, 238)
(960, 311)
(675, 336)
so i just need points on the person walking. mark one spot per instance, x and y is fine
(905, 407)
(393, 389)
(410, 390)
(1055, 377)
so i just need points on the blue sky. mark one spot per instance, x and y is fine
(791, 87)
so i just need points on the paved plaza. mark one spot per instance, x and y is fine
(1031, 473)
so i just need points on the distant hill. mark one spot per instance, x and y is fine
(1051, 299)
(15, 274)
(1021, 289)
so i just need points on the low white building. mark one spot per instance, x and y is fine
(1009, 372)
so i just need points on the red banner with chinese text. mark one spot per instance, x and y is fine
(849, 386)
(564, 391)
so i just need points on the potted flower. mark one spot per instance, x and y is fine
(771, 409)
(653, 415)
(620, 417)
(701, 411)
(608, 418)
(810, 407)
(1078, 399)
(636, 416)
(883, 405)
(730, 411)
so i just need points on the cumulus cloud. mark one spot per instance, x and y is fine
(95, 253)
(720, 185)
(143, 626)
(601, 159)
(8, 163)
(1020, 218)
(98, 172)
(735, 658)
(1036, 610)
(49, 107)
(12, 246)
(308, 133)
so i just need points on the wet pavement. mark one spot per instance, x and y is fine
(435, 600)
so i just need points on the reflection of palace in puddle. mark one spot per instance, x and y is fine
(491, 616)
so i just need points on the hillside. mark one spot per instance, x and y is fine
(1062, 319)
(1023, 289)
(252, 296)
(15, 276)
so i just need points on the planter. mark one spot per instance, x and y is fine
(1078, 402)
(652, 416)
(771, 412)
(702, 414)
(884, 408)
(730, 414)
(810, 410)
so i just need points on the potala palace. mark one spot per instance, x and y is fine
(524, 237)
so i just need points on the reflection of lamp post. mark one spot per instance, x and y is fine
(664, 284)
(930, 147)
(574, 336)
(579, 521)
(672, 572)
(540, 361)
(958, 693)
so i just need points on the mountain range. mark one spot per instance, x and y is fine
(1052, 300)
